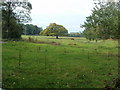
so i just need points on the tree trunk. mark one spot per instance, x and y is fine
(57, 37)
(8, 21)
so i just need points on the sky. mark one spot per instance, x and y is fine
(69, 13)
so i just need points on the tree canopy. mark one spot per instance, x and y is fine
(103, 22)
(30, 29)
(14, 14)
(75, 34)
(55, 30)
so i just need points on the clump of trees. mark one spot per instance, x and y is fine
(30, 29)
(75, 34)
(103, 23)
(14, 15)
(55, 30)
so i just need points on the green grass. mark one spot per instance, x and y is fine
(70, 64)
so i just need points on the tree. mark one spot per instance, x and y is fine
(75, 34)
(30, 29)
(103, 22)
(14, 14)
(37, 30)
(55, 30)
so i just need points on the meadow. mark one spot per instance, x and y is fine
(46, 62)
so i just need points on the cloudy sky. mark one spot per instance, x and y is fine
(69, 13)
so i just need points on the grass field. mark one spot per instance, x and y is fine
(46, 62)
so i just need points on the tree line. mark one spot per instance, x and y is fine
(103, 23)
(13, 20)
(75, 34)
(30, 29)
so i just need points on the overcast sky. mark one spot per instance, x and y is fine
(69, 13)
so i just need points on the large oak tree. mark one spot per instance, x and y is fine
(55, 30)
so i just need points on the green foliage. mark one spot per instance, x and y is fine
(30, 29)
(55, 30)
(75, 34)
(13, 17)
(103, 23)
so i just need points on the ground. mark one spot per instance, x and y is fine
(46, 62)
